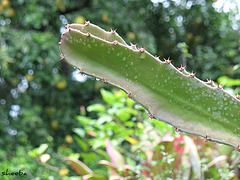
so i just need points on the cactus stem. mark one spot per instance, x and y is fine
(113, 31)
(157, 101)
(141, 50)
(87, 23)
(62, 57)
(88, 34)
(167, 61)
(207, 138)
(181, 68)
(192, 74)
(115, 42)
(150, 116)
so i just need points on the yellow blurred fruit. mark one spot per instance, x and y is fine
(105, 18)
(14, 81)
(60, 4)
(131, 36)
(54, 124)
(49, 138)
(80, 20)
(11, 13)
(189, 36)
(50, 110)
(44, 158)
(29, 77)
(1, 8)
(61, 84)
(68, 139)
(5, 3)
(198, 39)
(63, 146)
(63, 172)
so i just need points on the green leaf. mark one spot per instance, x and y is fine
(130, 124)
(107, 96)
(81, 143)
(226, 81)
(125, 113)
(78, 166)
(83, 120)
(130, 102)
(80, 132)
(108, 165)
(38, 151)
(97, 108)
(117, 159)
(104, 118)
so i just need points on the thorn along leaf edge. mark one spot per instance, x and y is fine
(210, 84)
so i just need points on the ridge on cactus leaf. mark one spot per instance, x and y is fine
(170, 94)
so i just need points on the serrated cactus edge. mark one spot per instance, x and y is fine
(170, 94)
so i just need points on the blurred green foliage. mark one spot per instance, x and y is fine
(145, 148)
(40, 98)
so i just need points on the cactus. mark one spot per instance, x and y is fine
(170, 94)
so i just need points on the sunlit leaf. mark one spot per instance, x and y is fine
(78, 166)
(116, 158)
(38, 151)
(83, 120)
(226, 81)
(97, 108)
(107, 96)
(131, 140)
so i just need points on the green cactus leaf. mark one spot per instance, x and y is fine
(171, 95)
(97, 31)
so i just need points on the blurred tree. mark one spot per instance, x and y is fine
(36, 89)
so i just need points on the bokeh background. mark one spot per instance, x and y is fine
(48, 111)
